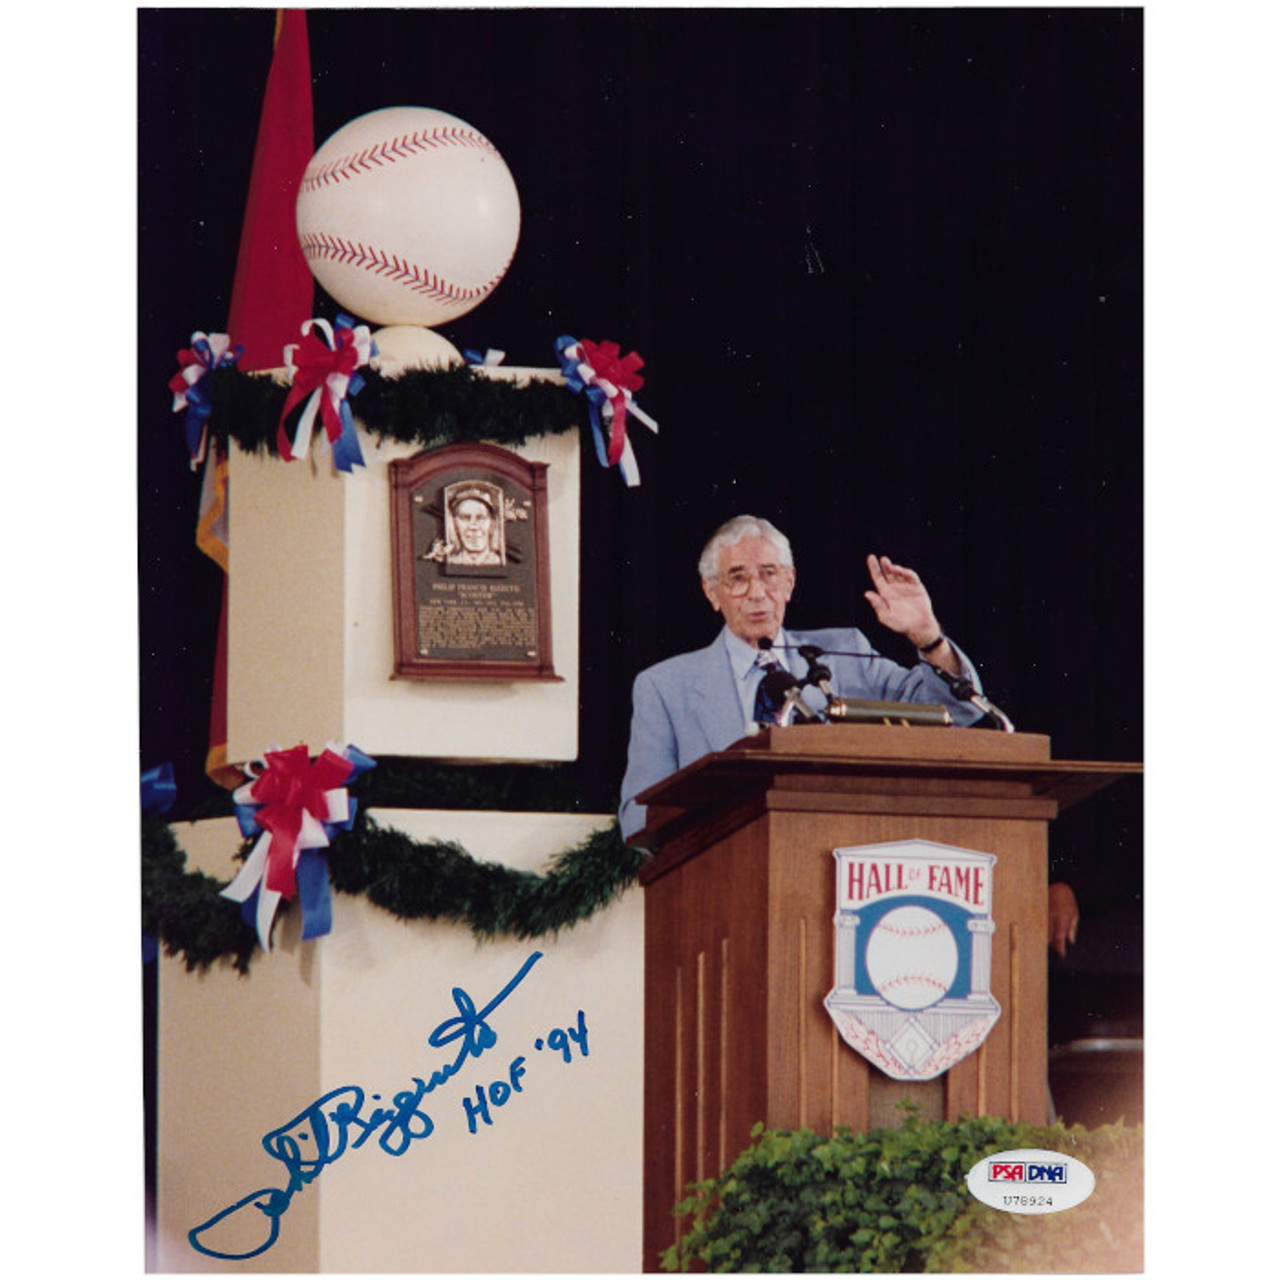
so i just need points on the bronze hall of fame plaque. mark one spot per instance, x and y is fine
(471, 567)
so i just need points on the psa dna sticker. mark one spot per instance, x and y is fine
(1030, 1181)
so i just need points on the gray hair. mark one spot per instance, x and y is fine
(732, 532)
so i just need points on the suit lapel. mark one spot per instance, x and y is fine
(713, 697)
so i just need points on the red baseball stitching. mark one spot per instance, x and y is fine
(317, 245)
(914, 977)
(389, 151)
(910, 931)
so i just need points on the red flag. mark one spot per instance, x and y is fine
(272, 296)
(274, 289)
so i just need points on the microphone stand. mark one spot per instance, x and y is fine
(793, 702)
(776, 687)
(962, 688)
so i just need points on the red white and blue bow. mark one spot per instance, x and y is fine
(294, 805)
(608, 378)
(322, 372)
(159, 791)
(208, 351)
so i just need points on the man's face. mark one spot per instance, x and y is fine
(752, 588)
(473, 524)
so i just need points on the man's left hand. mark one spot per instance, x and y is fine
(901, 602)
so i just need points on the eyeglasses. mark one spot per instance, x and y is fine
(737, 582)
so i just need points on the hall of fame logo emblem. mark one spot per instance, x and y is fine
(913, 955)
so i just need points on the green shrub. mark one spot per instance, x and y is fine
(895, 1200)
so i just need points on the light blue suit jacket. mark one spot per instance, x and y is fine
(688, 706)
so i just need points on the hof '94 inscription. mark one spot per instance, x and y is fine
(471, 569)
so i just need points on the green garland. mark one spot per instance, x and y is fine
(433, 879)
(426, 407)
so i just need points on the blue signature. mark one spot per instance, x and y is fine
(336, 1123)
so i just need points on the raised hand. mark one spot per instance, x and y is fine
(900, 601)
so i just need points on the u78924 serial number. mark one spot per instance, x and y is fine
(1027, 1202)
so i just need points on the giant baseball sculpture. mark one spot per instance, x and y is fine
(408, 216)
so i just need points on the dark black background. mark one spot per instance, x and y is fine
(885, 271)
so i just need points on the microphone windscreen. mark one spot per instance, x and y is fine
(777, 682)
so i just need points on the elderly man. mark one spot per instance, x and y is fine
(700, 702)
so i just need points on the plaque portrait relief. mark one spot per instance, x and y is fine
(471, 570)
(474, 523)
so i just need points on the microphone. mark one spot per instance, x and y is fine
(962, 688)
(779, 691)
(819, 674)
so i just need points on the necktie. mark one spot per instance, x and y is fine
(772, 689)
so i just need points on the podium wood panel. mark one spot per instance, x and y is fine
(739, 951)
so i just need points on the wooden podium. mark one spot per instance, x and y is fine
(739, 933)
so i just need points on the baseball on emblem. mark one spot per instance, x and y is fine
(408, 216)
(912, 957)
